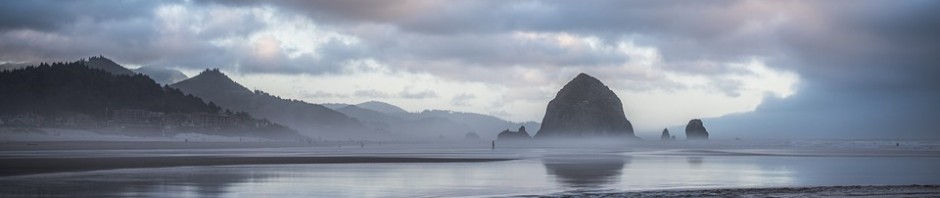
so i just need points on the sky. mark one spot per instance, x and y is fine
(753, 69)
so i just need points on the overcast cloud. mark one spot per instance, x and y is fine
(833, 69)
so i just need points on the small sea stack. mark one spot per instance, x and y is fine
(665, 136)
(514, 135)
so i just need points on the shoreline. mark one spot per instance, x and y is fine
(913, 190)
(32, 166)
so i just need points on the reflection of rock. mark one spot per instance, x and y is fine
(199, 181)
(585, 107)
(514, 135)
(695, 130)
(694, 161)
(585, 171)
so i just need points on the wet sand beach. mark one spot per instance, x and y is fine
(349, 169)
(27, 166)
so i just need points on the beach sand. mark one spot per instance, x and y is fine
(569, 171)
(38, 165)
(27, 158)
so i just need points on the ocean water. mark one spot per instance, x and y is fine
(535, 171)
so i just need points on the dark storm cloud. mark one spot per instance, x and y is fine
(683, 21)
(468, 31)
(465, 32)
(873, 73)
(419, 15)
(46, 15)
(73, 42)
(67, 30)
(872, 64)
(683, 31)
(480, 33)
(462, 17)
(878, 45)
(155, 33)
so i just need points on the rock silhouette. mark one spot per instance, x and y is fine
(665, 136)
(514, 135)
(695, 130)
(585, 107)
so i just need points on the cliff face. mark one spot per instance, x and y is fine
(695, 130)
(585, 107)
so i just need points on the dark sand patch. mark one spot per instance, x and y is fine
(27, 166)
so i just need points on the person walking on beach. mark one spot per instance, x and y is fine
(494, 145)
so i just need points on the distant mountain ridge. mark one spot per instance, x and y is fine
(310, 119)
(423, 128)
(450, 124)
(382, 107)
(163, 76)
(334, 106)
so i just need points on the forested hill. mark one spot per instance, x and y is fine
(62, 93)
(48, 89)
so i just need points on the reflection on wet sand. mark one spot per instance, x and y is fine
(576, 172)
(202, 183)
(694, 161)
(585, 172)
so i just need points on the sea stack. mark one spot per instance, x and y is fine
(514, 135)
(585, 107)
(665, 136)
(695, 130)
